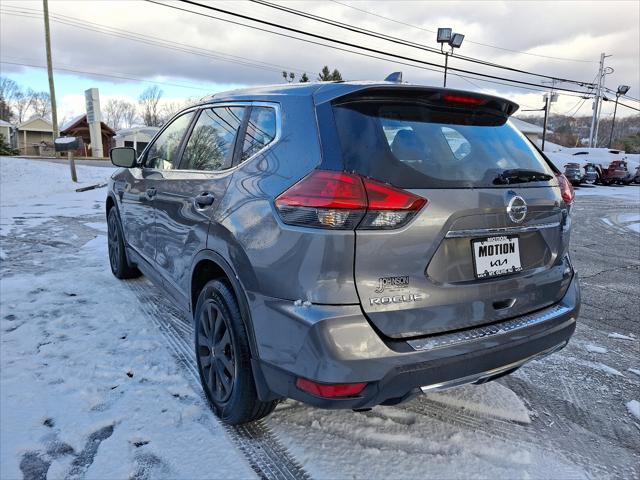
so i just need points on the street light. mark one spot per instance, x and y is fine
(454, 40)
(622, 90)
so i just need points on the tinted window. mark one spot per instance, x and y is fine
(210, 146)
(162, 154)
(261, 130)
(418, 146)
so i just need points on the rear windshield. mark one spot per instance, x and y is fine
(419, 146)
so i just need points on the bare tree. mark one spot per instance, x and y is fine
(8, 90)
(129, 114)
(169, 109)
(149, 104)
(22, 104)
(41, 104)
(114, 111)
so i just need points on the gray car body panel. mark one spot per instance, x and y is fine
(307, 290)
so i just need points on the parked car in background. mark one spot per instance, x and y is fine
(590, 174)
(616, 173)
(573, 172)
(349, 244)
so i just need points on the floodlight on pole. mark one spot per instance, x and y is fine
(456, 40)
(453, 40)
(444, 35)
(622, 91)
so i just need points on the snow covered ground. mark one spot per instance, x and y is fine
(97, 377)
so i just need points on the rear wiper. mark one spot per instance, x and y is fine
(518, 175)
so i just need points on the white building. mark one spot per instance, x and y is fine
(136, 137)
(6, 130)
(531, 131)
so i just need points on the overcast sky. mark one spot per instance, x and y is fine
(228, 55)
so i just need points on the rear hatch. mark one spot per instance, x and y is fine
(491, 240)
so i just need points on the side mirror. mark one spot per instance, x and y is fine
(123, 157)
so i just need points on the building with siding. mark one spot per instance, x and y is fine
(35, 136)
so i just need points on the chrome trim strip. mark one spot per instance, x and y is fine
(496, 329)
(487, 374)
(482, 232)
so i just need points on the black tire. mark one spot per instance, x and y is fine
(223, 356)
(120, 266)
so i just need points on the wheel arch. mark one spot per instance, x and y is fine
(209, 265)
(110, 203)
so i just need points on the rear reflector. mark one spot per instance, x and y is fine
(330, 390)
(464, 99)
(566, 189)
(339, 200)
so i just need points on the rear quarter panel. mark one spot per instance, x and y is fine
(271, 258)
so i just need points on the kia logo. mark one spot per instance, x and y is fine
(517, 209)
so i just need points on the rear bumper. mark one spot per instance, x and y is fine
(325, 346)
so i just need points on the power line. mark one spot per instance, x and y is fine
(120, 77)
(154, 41)
(333, 40)
(405, 42)
(464, 77)
(470, 41)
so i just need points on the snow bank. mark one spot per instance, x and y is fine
(619, 336)
(490, 399)
(595, 349)
(634, 408)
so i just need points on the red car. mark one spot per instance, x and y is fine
(617, 172)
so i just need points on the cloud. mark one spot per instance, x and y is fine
(204, 50)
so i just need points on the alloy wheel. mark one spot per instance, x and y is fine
(215, 352)
(114, 243)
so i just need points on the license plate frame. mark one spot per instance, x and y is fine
(506, 250)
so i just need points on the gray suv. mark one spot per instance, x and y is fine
(349, 244)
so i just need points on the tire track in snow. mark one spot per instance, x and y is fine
(507, 431)
(260, 446)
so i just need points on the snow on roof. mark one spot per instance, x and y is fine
(5, 124)
(526, 127)
(64, 140)
(72, 122)
(151, 131)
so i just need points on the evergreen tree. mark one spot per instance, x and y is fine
(5, 148)
(327, 75)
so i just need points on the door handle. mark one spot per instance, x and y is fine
(151, 192)
(203, 200)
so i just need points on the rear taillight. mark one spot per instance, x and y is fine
(330, 390)
(566, 189)
(339, 200)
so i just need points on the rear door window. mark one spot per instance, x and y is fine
(210, 146)
(419, 146)
(261, 131)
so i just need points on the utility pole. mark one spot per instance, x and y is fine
(547, 105)
(548, 99)
(446, 64)
(597, 104)
(52, 89)
(596, 101)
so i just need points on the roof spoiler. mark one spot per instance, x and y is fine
(433, 95)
